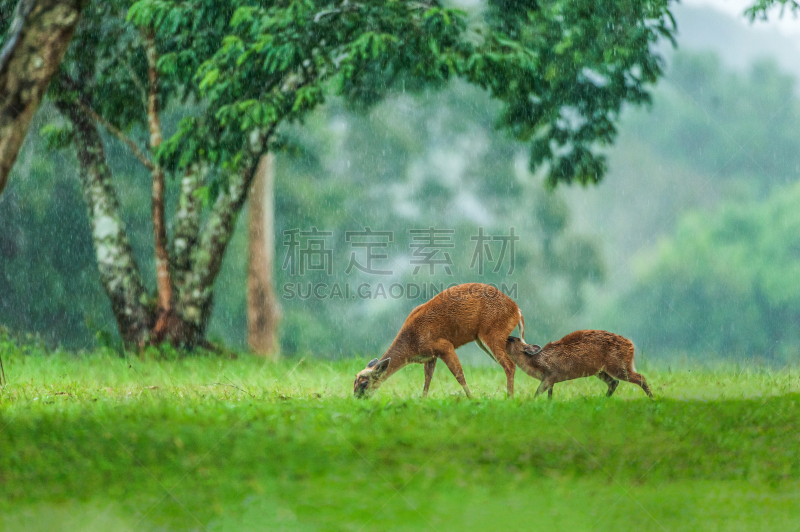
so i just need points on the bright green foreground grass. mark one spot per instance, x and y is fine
(101, 443)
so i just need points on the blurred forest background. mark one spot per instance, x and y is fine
(690, 246)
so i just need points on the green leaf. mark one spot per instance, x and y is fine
(168, 63)
(242, 15)
(209, 79)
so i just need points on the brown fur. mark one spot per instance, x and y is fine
(605, 355)
(471, 312)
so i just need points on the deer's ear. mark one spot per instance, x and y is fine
(531, 349)
(382, 366)
(372, 362)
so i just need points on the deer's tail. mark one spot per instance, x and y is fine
(521, 327)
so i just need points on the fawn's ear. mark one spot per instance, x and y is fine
(531, 349)
(372, 362)
(381, 366)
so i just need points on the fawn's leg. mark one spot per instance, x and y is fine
(636, 378)
(447, 353)
(546, 385)
(610, 381)
(430, 365)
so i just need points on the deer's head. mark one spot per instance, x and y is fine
(369, 378)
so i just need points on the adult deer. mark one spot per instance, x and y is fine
(434, 330)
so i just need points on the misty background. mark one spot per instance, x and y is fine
(690, 245)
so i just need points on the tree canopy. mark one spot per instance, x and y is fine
(562, 69)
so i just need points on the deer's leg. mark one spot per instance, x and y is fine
(498, 348)
(430, 365)
(447, 353)
(610, 381)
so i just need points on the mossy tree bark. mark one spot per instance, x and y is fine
(36, 42)
(116, 264)
(186, 225)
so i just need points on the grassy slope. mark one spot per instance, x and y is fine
(86, 443)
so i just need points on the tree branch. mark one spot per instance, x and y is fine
(153, 105)
(111, 128)
(74, 86)
(136, 81)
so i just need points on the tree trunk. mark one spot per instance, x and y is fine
(163, 279)
(173, 325)
(37, 40)
(119, 272)
(196, 296)
(263, 312)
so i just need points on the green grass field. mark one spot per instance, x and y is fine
(97, 442)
